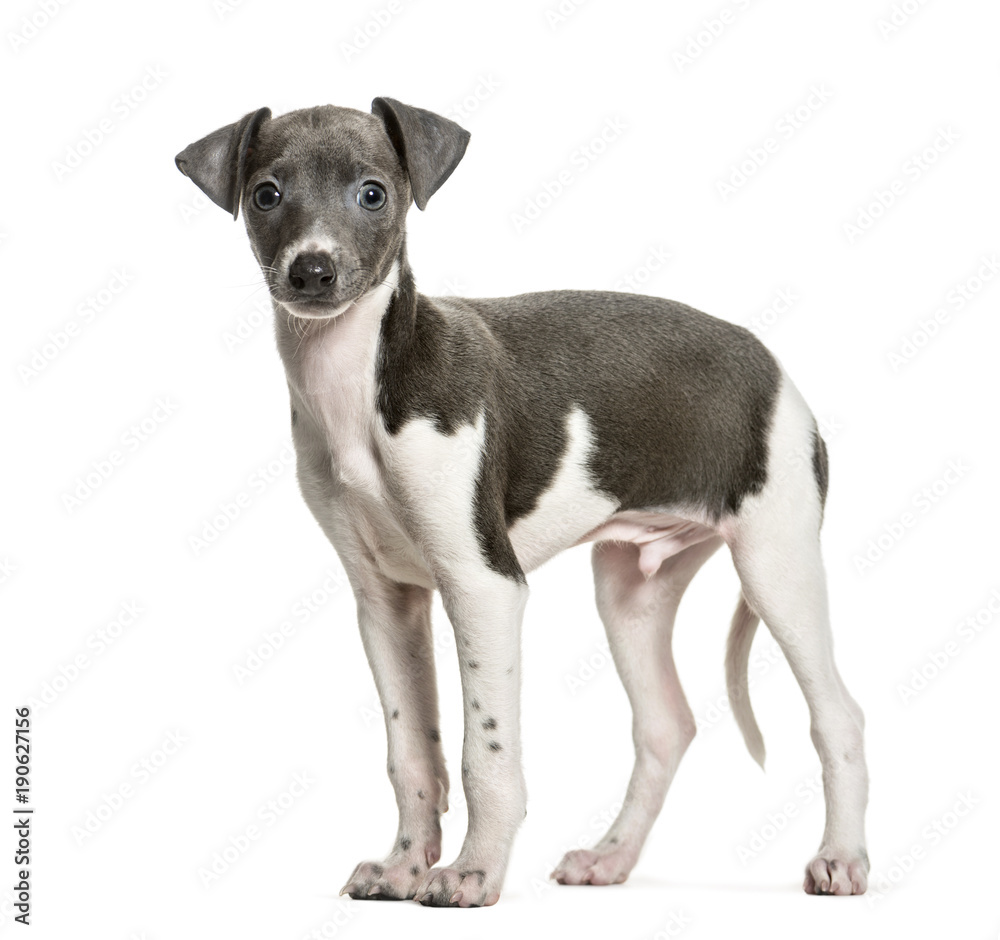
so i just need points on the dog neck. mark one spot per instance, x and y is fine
(331, 365)
(343, 341)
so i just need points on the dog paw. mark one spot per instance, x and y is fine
(836, 872)
(385, 881)
(460, 886)
(601, 865)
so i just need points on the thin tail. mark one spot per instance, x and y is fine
(741, 635)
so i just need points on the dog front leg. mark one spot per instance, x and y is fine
(485, 609)
(396, 632)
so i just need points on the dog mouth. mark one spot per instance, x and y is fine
(316, 309)
(336, 300)
(325, 306)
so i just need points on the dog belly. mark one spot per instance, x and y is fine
(657, 534)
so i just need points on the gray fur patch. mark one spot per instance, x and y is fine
(680, 402)
(821, 466)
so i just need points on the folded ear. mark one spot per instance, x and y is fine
(217, 162)
(429, 146)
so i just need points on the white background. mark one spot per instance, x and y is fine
(534, 87)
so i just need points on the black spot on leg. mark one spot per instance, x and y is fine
(479, 873)
(377, 870)
(465, 770)
(510, 670)
(490, 724)
(475, 704)
(420, 794)
(473, 664)
(415, 870)
(613, 841)
(495, 746)
(405, 843)
(395, 713)
(434, 734)
(392, 768)
(834, 865)
(295, 417)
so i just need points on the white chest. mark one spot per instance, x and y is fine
(331, 372)
(342, 447)
(334, 381)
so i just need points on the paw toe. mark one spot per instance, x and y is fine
(592, 867)
(837, 874)
(376, 881)
(457, 887)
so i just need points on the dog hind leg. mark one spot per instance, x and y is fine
(774, 540)
(638, 615)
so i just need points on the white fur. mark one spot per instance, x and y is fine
(569, 508)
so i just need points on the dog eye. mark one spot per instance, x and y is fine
(266, 196)
(371, 196)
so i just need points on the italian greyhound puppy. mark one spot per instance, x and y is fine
(456, 444)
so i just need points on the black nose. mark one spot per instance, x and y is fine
(312, 273)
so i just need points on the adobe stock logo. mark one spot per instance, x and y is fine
(785, 128)
(957, 298)
(129, 442)
(580, 160)
(369, 31)
(712, 29)
(59, 339)
(913, 169)
(937, 661)
(30, 26)
(923, 502)
(121, 109)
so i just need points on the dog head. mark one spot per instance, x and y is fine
(325, 192)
